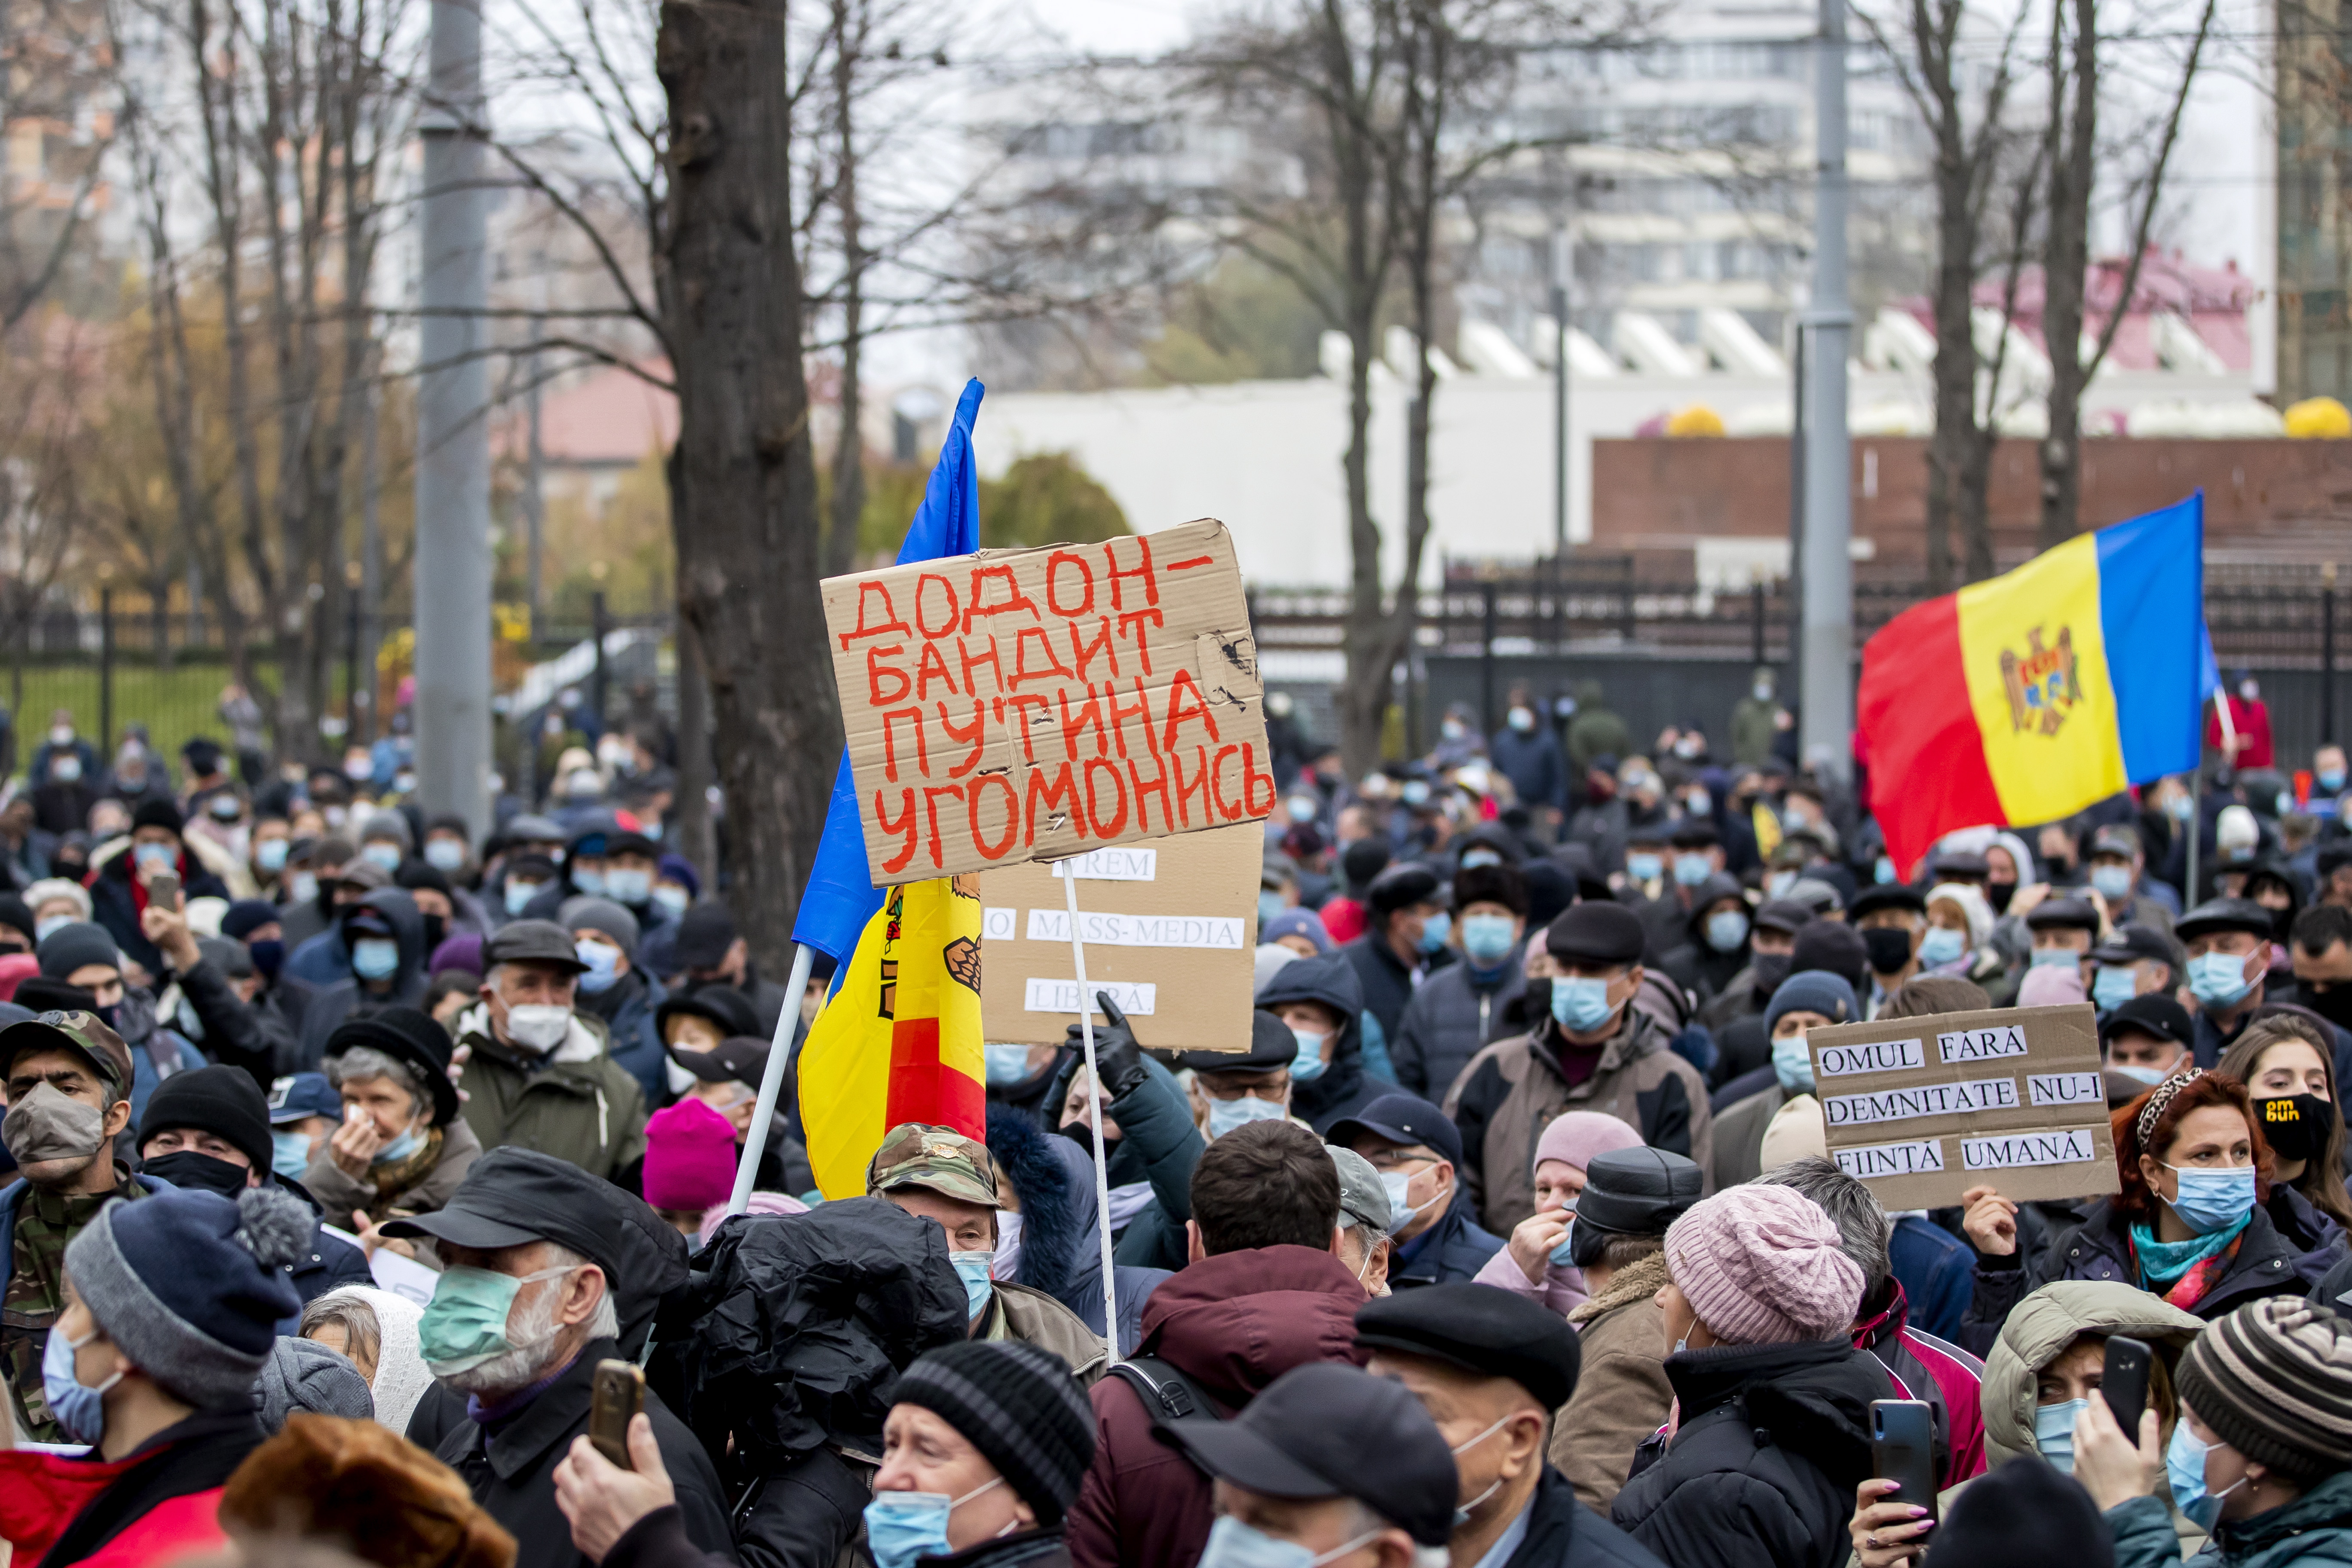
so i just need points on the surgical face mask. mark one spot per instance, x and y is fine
(2141, 1074)
(589, 879)
(1940, 946)
(225, 808)
(1581, 1006)
(2053, 1432)
(1225, 1115)
(1302, 809)
(1884, 872)
(518, 896)
(604, 967)
(399, 1149)
(2056, 958)
(302, 888)
(2213, 1200)
(48, 924)
(153, 857)
(629, 886)
(903, 1526)
(1462, 1515)
(383, 854)
(445, 854)
(1726, 929)
(77, 1408)
(537, 1027)
(2184, 1472)
(1690, 870)
(1451, 729)
(2218, 979)
(1792, 1063)
(61, 735)
(66, 769)
(1888, 947)
(1402, 1211)
(1698, 803)
(1646, 867)
(1474, 859)
(375, 957)
(675, 901)
(1008, 1242)
(1778, 883)
(2111, 882)
(1487, 938)
(1434, 931)
(49, 1124)
(1761, 691)
(1308, 1064)
(2111, 985)
(358, 770)
(1007, 1064)
(973, 1268)
(1269, 904)
(290, 1154)
(2330, 779)
(1232, 1544)
(269, 857)
(464, 1324)
(2179, 807)
(1416, 792)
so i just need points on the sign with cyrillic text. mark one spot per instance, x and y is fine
(1020, 705)
(1921, 1110)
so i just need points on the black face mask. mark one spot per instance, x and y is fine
(1772, 968)
(1889, 948)
(186, 1168)
(2333, 1004)
(2297, 1125)
(1998, 895)
(2281, 922)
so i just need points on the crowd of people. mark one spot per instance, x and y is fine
(355, 1163)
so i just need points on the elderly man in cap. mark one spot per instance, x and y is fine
(2229, 946)
(1590, 1050)
(1490, 1368)
(68, 1081)
(1431, 1217)
(2133, 961)
(2118, 875)
(941, 1175)
(1365, 1244)
(534, 1250)
(1331, 1466)
(537, 1073)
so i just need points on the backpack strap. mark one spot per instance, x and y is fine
(1167, 1394)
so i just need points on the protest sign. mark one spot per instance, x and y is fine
(1920, 1109)
(1032, 704)
(1170, 929)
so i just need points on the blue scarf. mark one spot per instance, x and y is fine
(2163, 1261)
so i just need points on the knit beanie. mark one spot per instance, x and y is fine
(76, 946)
(1811, 991)
(2273, 1380)
(603, 915)
(191, 1287)
(303, 1374)
(689, 1157)
(2021, 1514)
(1018, 1405)
(1576, 1136)
(1764, 1266)
(222, 1101)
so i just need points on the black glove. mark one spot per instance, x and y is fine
(1117, 1053)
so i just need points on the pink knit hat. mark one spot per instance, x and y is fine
(1761, 1266)
(689, 1157)
(771, 1203)
(1575, 1137)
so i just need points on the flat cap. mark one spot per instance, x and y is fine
(2223, 914)
(2063, 914)
(1272, 1047)
(1363, 1198)
(742, 1058)
(1596, 932)
(513, 1195)
(1887, 895)
(1787, 915)
(1482, 1331)
(532, 942)
(722, 1005)
(1638, 1191)
(1403, 1118)
(1957, 865)
(1401, 887)
(2130, 943)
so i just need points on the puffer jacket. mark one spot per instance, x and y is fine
(2041, 1328)
(1562, 1531)
(1511, 1091)
(576, 1102)
(1061, 1253)
(2315, 1529)
(1456, 1014)
(1343, 1088)
(1761, 1471)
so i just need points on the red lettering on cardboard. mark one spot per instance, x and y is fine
(1094, 805)
(1062, 788)
(946, 626)
(1054, 665)
(1073, 726)
(1053, 600)
(864, 630)
(930, 666)
(1082, 652)
(963, 653)
(976, 603)
(1144, 792)
(932, 793)
(1141, 573)
(976, 737)
(1178, 713)
(890, 747)
(998, 850)
(876, 671)
(906, 825)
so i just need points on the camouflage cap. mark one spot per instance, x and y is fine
(84, 1034)
(937, 1159)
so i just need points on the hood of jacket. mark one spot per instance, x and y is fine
(1713, 890)
(1331, 980)
(1812, 1396)
(1057, 1202)
(399, 911)
(1236, 1322)
(2042, 1325)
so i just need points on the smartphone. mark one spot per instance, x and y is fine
(1903, 1448)
(2125, 1381)
(164, 889)
(619, 1393)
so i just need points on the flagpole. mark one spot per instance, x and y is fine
(772, 1079)
(1069, 871)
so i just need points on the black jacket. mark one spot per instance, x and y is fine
(255, 1035)
(1457, 1013)
(113, 905)
(1343, 1088)
(1030, 1549)
(804, 1514)
(1383, 982)
(1772, 1441)
(195, 1456)
(1564, 1533)
(510, 1470)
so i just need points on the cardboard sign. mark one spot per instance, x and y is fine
(1031, 704)
(1170, 931)
(1920, 1109)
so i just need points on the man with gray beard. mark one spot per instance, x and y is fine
(534, 1250)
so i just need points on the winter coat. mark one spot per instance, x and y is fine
(575, 1103)
(1233, 1323)
(1938, 1274)
(1030, 1549)
(1621, 1394)
(1512, 1089)
(338, 1193)
(659, 1541)
(1344, 1087)
(1158, 1145)
(158, 1504)
(807, 1515)
(1383, 983)
(626, 1009)
(2315, 1529)
(156, 1052)
(116, 899)
(1564, 1532)
(1596, 730)
(1061, 1253)
(510, 1471)
(254, 1035)
(2041, 1329)
(1456, 1014)
(1453, 1249)
(1018, 1312)
(1761, 1471)
(1539, 774)
(329, 1006)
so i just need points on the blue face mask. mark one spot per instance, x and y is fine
(903, 1526)
(2213, 1200)
(2330, 779)
(2056, 958)
(674, 900)
(445, 854)
(1942, 945)
(2113, 882)
(2053, 1432)
(1792, 1063)
(2218, 979)
(384, 855)
(2111, 987)
(1269, 904)
(1225, 1115)
(589, 879)
(1308, 1064)
(629, 886)
(153, 857)
(1581, 1006)
(48, 925)
(1644, 867)
(604, 967)
(1474, 859)
(399, 1149)
(1564, 1255)
(1726, 929)
(973, 1268)
(1232, 1544)
(2184, 1473)
(290, 1154)
(518, 895)
(1487, 938)
(1007, 1064)
(1434, 931)
(1884, 872)
(374, 957)
(269, 857)
(76, 1405)
(1690, 870)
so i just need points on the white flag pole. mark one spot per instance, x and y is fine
(772, 1079)
(1069, 871)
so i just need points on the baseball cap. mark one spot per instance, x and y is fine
(1403, 1118)
(301, 1095)
(2154, 1013)
(936, 1159)
(1363, 1199)
(82, 1034)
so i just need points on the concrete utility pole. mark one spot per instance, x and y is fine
(1827, 693)
(453, 436)
(1563, 264)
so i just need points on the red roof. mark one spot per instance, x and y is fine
(610, 416)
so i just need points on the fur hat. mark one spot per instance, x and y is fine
(365, 1490)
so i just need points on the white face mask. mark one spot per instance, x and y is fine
(538, 1027)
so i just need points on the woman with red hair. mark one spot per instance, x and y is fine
(2188, 1225)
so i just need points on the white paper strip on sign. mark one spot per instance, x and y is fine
(998, 924)
(1223, 932)
(2048, 1146)
(1983, 1045)
(1867, 1160)
(1883, 1055)
(2065, 1088)
(1922, 1100)
(1124, 864)
(1045, 996)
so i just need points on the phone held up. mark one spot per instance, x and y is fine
(2124, 1381)
(617, 1394)
(1903, 1448)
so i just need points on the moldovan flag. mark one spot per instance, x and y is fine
(898, 1040)
(2025, 698)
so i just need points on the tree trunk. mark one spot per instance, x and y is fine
(746, 522)
(1956, 347)
(1365, 688)
(2066, 258)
